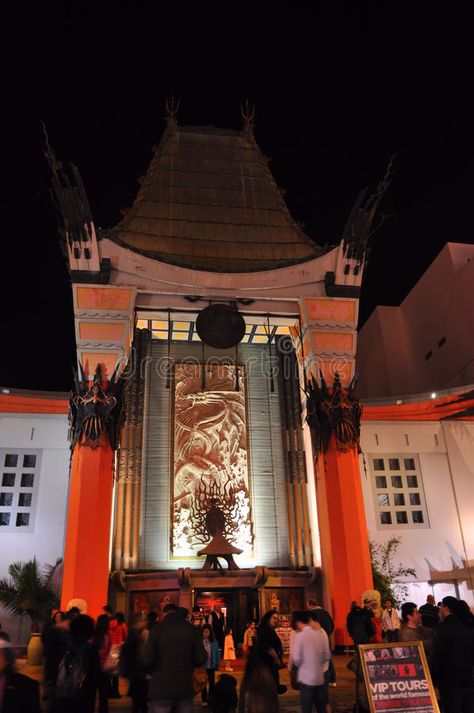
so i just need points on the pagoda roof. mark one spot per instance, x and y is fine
(209, 201)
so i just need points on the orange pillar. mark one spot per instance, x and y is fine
(86, 552)
(343, 532)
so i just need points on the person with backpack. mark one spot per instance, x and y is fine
(103, 643)
(78, 673)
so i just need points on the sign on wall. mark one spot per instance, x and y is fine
(143, 602)
(210, 460)
(397, 678)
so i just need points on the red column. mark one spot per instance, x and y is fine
(86, 553)
(343, 532)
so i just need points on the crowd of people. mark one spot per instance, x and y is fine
(446, 631)
(171, 662)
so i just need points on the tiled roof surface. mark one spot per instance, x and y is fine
(209, 201)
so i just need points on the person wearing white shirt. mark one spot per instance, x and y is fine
(390, 622)
(310, 655)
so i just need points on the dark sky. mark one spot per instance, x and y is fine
(339, 88)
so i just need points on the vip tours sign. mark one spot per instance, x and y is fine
(397, 678)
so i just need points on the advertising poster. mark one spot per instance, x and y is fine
(397, 678)
(283, 630)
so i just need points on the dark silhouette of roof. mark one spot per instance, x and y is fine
(209, 202)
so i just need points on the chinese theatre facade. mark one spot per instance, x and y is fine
(214, 430)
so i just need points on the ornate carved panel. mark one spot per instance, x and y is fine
(210, 456)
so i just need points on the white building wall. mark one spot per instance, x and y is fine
(445, 451)
(48, 434)
(426, 343)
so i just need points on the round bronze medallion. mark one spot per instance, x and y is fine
(220, 326)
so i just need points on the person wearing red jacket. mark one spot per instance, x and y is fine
(118, 633)
(103, 643)
(377, 636)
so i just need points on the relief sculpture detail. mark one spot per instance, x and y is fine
(210, 456)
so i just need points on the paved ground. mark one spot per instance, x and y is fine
(342, 696)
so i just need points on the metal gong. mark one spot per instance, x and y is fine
(220, 326)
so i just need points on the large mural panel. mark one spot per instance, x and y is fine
(210, 464)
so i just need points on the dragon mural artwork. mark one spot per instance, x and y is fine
(210, 456)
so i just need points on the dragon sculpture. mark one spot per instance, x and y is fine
(337, 411)
(95, 412)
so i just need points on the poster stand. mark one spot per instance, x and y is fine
(397, 678)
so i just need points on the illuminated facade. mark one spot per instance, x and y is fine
(206, 426)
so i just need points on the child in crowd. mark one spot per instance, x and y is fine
(250, 638)
(229, 649)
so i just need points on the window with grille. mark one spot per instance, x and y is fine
(19, 475)
(398, 490)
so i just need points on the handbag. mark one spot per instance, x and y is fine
(199, 679)
(111, 663)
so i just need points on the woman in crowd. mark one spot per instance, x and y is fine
(258, 692)
(212, 663)
(118, 633)
(269, 646)
(103, 643)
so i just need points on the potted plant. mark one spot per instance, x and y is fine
(28, 592)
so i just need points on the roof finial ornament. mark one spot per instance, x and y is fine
(365, 218)
(247, 112)
(172, 108)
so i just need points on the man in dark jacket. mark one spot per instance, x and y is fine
(429, 612)
(452, 661)
(359, 625)
(321, 615)
(217, 621)
(173, 650)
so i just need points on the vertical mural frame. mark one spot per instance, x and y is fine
(212, 367)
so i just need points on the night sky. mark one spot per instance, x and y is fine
(339, 88)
